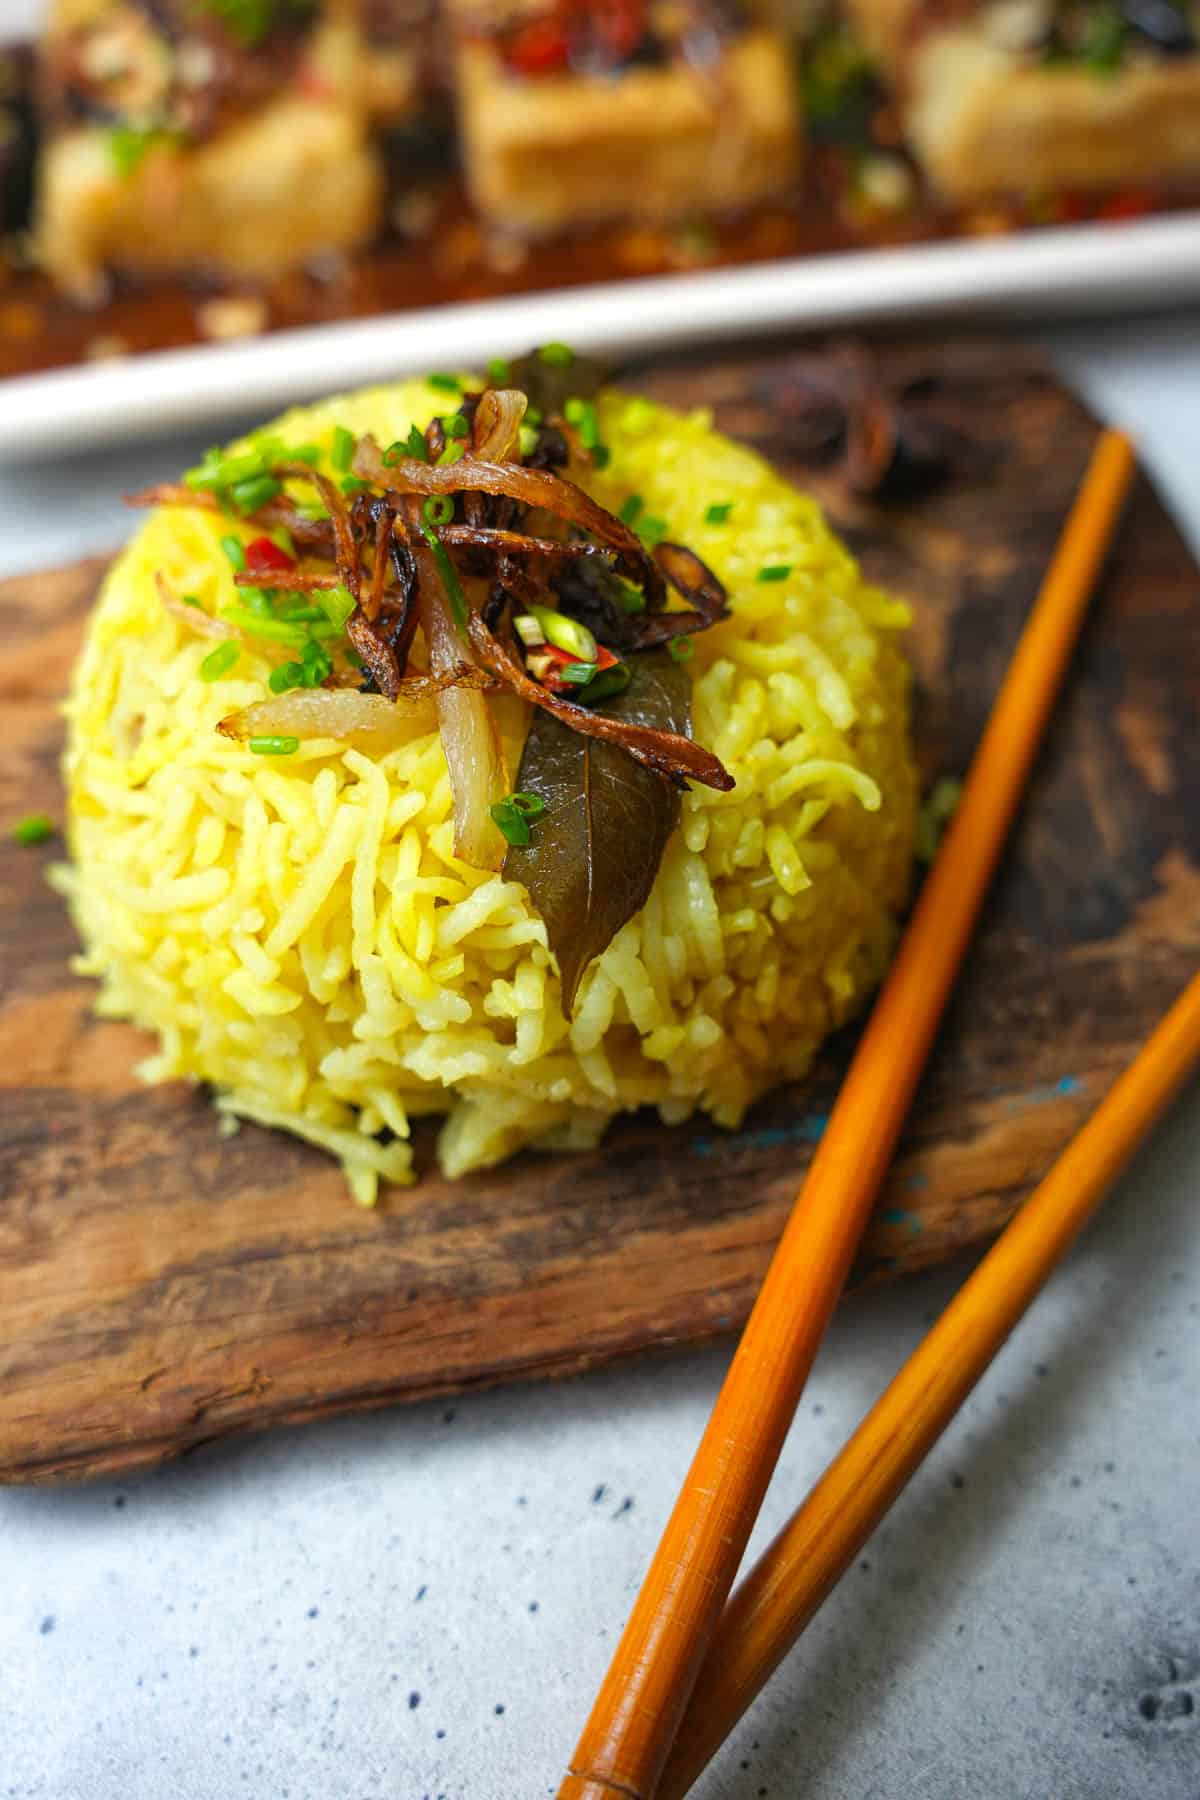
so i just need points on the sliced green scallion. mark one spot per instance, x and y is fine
(341, 454)
(681, 649)
(557, 356)
(449, 384)
(218, 662)
(515, 814)
(235, 551)
(273, 746)
(718, 513)
(631, 509)
(33, 830)
(438, 509)
(499, 372)
(774, 572)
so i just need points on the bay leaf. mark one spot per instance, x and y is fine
(596, 849)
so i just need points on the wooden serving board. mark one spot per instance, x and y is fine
(160, 1285)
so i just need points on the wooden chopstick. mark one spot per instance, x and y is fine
(640, 1704)
(775, 1602)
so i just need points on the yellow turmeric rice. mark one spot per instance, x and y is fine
(298, 932)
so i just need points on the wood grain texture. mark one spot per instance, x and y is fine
(160, 1285)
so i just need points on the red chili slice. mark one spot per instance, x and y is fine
(265, 553)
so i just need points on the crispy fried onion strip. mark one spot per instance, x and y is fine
(538, 488)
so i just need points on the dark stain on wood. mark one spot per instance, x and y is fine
(161, 1285)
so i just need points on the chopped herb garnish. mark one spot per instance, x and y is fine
(449, 384)
(274, 746)
(582, 414)
(36, 829)
(249, 495)
(651, 530)
(516, 813)
(193, 600)
(499, 372)
(278, 631)
(413, 445)
(774, 572)
(218, 662)
(630, 599)
(129, 145)
(450, 581)
(718, 513)
(305, 453)
(455, 426)
(337, 604)
(558, 356)
(534, 415)
(610, 681)
(302, 613)
(351, 484)
(578, 673)
(527, 440)
(681, 649)
(632, 509)
(285, 677)
(438, 509)
(601, 456)
(235, 550)
(342, 453)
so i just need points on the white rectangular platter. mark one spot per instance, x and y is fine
(1109, 268)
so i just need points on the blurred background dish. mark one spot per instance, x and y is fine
(402, 182)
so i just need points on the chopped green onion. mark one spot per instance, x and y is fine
(450, 581)
(449, 384)
(558, 356)
(451, 454)
(607, 683)
(534, 415)
(235, 550)
(499, 372)
(601, 456)
(455, 426)
(278, 631)
(218, 662)
(438, 509)
(630, 599)
(337, 604)
(342, 453)
(528, 629)
(129, 145)
(774, 572)
(413, 445)
(578, 673)
(718, 513)
(305, 453)
(285, 677)
(248, 496)
(582, 414)
(304, 614)
(516, 813)
(256, 600)
(286, 542)
(351, 484)
(33, 830)
(527, 440)
(681, 649)
(193, 600)
(274, 746)
(566, 633)
(315, 665)
(632, 509)
(652, 530)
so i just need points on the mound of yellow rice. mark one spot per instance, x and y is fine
(299, 933)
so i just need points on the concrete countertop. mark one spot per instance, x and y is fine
(419, 1604)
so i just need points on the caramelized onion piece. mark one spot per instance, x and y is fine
(339, 713)
(678, 759)
(474, 758)
(497, 424)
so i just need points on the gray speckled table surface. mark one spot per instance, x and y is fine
(419, 1604)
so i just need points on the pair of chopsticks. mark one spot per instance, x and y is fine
(644, 1741)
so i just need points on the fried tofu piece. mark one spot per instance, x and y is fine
(292, 181)
(181, 154)
(646, 144)
(986, 116)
